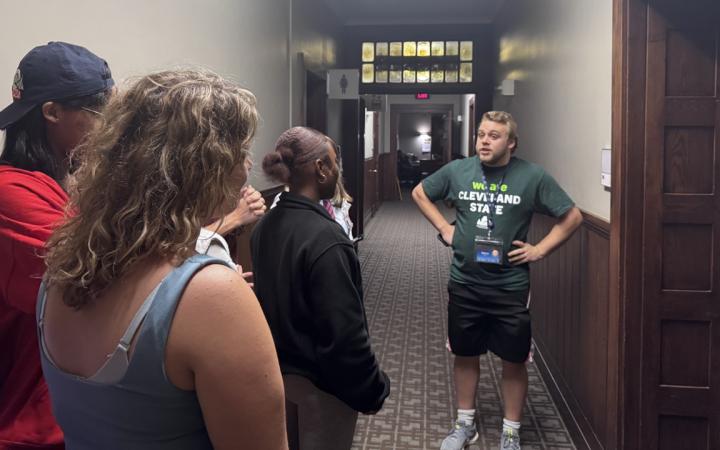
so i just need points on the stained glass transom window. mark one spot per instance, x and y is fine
(418, 62)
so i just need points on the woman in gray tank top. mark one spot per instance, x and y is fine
(144, 343)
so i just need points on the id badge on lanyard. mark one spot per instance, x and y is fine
(488, 250)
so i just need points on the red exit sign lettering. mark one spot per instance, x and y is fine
(422, 96)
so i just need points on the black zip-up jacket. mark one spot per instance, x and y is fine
(307, 278)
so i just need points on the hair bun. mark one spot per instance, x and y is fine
(275, 167)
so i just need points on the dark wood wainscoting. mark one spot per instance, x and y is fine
(569, 307)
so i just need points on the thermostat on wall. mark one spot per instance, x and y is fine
(606, 164)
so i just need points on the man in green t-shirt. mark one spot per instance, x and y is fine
(495, 196)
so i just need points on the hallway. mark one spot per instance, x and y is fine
(405, 272)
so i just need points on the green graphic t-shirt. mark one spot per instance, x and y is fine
(525, 189)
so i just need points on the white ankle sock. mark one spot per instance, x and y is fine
(511, 425)
(466, 416)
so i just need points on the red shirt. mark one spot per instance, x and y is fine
(31, 205)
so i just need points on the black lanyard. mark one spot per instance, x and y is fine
(493, 204)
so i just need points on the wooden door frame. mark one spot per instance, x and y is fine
(627, 214)
(626, 218)
(471, 127)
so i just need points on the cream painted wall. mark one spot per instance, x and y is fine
(560, 52)
(245, 40)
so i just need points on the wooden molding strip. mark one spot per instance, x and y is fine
(596, 224)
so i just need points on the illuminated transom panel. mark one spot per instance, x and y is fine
(417, 62)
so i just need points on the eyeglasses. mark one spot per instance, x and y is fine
(91, 111)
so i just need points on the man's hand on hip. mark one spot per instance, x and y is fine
(447, 233)
(526, 253)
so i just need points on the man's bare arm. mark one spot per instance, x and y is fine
(432, 213)
(561, 232)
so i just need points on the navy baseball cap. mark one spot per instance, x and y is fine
(56, 71)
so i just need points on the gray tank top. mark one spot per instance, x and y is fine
(138, 407)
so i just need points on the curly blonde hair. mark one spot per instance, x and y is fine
(158, 168)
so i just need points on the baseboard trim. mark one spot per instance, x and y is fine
(577, 424)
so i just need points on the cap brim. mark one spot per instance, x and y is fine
(14, 112)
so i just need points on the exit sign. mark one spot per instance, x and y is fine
(422, 96)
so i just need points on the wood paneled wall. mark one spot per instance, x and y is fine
(569, 307)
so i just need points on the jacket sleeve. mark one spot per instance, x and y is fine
(30, 208)
(347, 365)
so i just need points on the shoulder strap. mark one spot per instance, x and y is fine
(40, 318)
(149, 354)
(171, 291)
(138, 318)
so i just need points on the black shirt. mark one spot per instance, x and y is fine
(307, 278)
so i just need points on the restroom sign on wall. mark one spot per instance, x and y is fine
(343, 83)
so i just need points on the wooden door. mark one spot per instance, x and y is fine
(668, 209)
(679, 392)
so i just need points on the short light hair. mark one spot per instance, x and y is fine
(507, 119)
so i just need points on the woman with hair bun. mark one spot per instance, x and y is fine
(338, 206)
(308, 281)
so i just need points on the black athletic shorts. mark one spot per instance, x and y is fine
(482, 319)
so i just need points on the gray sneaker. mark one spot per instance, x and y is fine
(510, 440)
(460, 437)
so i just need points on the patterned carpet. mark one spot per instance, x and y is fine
(405, 272)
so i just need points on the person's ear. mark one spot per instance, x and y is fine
(320, 171)
(512, 144)
(52, 112)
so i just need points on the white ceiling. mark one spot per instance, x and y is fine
(414, 12)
